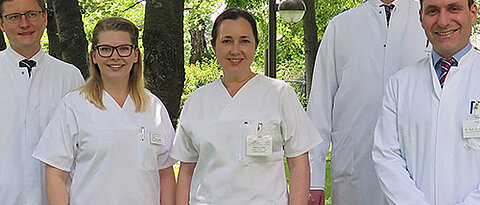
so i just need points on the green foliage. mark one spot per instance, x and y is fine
(290, 45)
(327, 9)
(198, 75)
(95, 10)
(198, 15)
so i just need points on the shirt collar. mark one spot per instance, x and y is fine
(399, 5)
(381, 3)
(457, 56)
(378, 3)
(16, 57)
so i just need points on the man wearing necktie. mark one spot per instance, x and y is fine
(360, 50)
(427, 139)
(31, 84)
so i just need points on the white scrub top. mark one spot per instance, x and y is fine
(419, 152)
(357, 55)
(26, 106)
(109, 152)
(212, 133)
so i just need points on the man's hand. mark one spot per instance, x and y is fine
(316, 197)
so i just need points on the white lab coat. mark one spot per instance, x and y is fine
(357, 55)
(419, 152)
(109, 155)
(212, 131)
(26, 106)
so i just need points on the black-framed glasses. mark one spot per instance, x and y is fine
(106, 51)
(30, 15)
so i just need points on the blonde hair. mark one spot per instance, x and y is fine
(93, 88)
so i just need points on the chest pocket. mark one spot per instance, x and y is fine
(149, 147)
(270, 128)
(472, 143)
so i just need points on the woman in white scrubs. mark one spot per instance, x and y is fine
(233, 133)
(110, 135)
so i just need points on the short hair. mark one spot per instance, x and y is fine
(93, 88)
(470, 2)
(234, 13)
(41, 3)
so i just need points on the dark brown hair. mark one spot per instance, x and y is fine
(234, 14)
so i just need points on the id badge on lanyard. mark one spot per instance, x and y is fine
(259, 144)
(471, 127)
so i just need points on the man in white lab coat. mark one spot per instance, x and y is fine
(427, 139)
(31, 85)
(360, 50)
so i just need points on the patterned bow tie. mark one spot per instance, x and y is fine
(388, 11)
(29, 64)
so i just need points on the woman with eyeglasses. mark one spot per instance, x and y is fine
(110, 135)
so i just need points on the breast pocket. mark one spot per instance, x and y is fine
(472, 144)
(268, 136)
(150, 146)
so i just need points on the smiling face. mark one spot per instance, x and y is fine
(24, 36)
(235, 47)
(448, 24)
(115, 69)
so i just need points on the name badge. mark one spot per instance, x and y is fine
(259, 145)
(471, 129)
(157, 138)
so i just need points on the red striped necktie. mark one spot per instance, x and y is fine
(445, 65)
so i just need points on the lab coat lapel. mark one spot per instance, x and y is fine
(434, 78)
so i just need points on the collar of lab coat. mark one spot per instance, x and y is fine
(464, 63)
(14, 57)
(399, 5)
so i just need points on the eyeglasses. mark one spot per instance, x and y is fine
(16, 17)
(106, 51)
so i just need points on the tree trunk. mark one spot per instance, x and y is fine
(197, 37)
(71, 34)
(3, 46)
(54, 48)
(311, 41)
(163, 43)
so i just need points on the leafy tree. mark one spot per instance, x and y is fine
(164, 57)
(3, 45)
(310, 39)
(54, 47)
(71, 34)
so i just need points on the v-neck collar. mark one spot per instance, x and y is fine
(219, 81)
(111, 103)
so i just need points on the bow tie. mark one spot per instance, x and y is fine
(29, 64)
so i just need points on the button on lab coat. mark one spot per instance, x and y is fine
(419, 152)
(109, 155)
(26, 106)
(357, 55)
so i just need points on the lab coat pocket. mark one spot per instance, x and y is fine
(342, 154)
(472, 143)
(269, 144)
(149, 147)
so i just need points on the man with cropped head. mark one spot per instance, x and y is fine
(31, 85)
(427, 139)
(360, 50)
